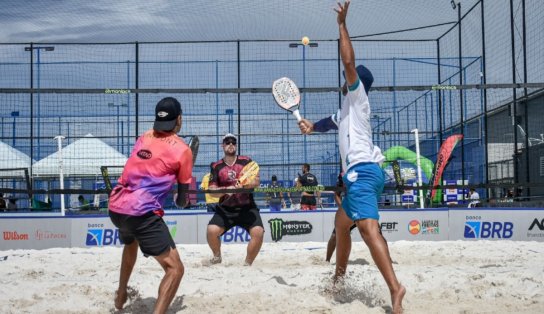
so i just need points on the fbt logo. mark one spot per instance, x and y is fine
(97, 235)
(487, 230)
(236, 234)
(388, 226)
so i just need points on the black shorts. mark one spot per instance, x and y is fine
(308, 200)
(246, 219)
(149, 230)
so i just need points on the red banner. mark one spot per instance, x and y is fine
(444, 155)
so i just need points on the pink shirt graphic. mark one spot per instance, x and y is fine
(155, 164)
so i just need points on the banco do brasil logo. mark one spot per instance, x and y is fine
(279, 228)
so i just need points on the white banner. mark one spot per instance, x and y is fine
(524, 224)
(37, 233)
(287, 226)
(414, 225)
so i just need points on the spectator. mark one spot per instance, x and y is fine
(308, 200)
(474, 198)
(275, 199)
(12, 205)
(83, 203)
(2, 203)
(211, 199)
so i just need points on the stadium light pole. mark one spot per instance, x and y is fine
(230, 113)
(59, 139)
(38, 49)
(311, 45)
(118, 121)
(14, 114)
(418, 163)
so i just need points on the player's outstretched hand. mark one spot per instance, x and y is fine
(305, 126)
(342, 11)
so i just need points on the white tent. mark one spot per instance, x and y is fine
(11, 158)
(83, 157)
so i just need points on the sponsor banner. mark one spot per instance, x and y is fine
(100, 231)
(93, 232)
(183, 228)
(20, 233)
(415, 225)
(453, 196)
(409, 197)
(295, 227)
(511, 224)
(190, 228)
(234, 235)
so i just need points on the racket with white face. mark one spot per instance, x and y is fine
(287, 95)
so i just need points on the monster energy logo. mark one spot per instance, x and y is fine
(279, 228)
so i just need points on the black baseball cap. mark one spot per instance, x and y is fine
(274, 178)
(166, 113)
(365, 76)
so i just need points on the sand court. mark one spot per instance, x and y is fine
(441, 277)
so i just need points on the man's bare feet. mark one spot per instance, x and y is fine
(120, 299)
(396, 300)
(216, 260)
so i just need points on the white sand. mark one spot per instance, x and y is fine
(440, 277)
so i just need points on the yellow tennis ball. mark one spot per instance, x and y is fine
(305, 40)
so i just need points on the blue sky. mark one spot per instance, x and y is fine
(137, 20)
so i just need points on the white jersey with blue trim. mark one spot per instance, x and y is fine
(354, 129)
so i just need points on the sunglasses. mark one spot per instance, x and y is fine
(228, 142)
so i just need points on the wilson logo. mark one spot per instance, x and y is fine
(144, 154)
(14, 236)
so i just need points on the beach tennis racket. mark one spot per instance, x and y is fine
(194, 144)
(248, 173)
(106, 177)
(287, 95)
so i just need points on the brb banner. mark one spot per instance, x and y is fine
(100, 231)
(506, 224)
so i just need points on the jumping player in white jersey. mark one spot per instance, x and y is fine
(363, 177)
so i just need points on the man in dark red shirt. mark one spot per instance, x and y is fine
(234, 209)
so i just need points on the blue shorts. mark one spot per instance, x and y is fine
(364, 185)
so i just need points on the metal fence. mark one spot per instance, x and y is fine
(483, 79)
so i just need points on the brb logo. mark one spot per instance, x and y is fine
(488, 230)
(97, 235)
(236, 234)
